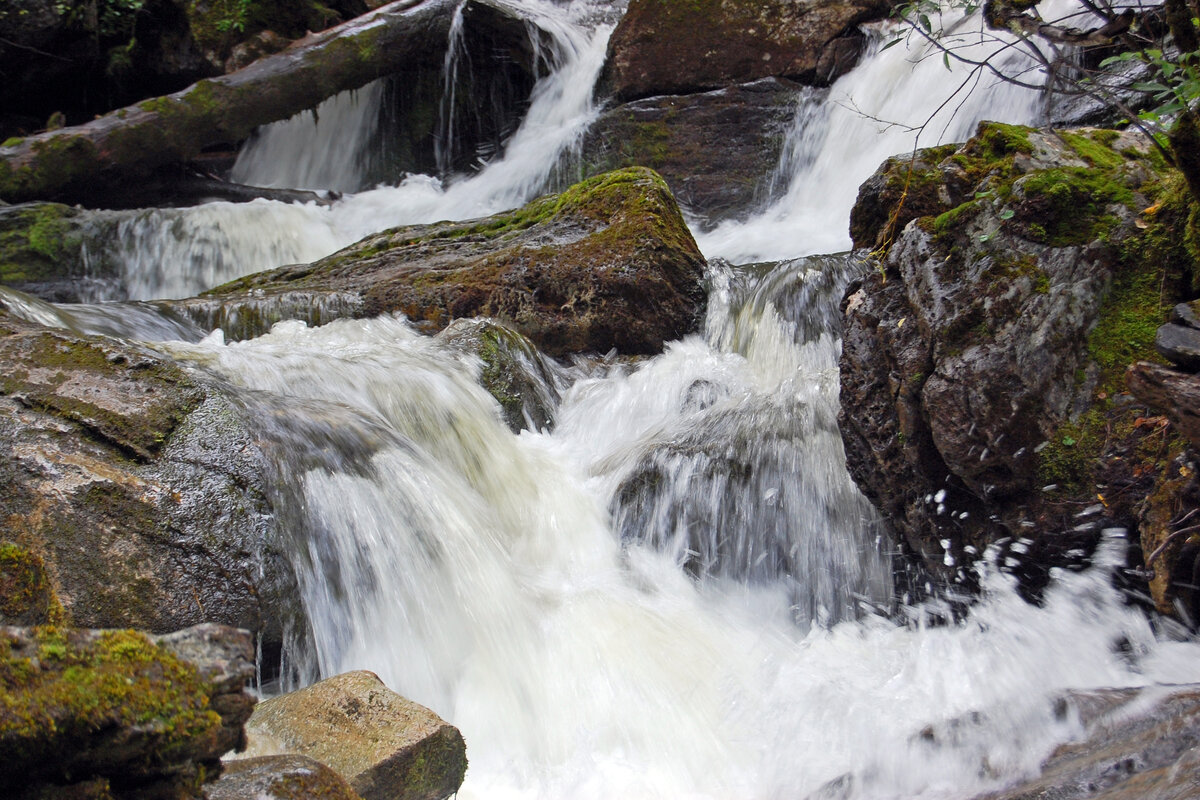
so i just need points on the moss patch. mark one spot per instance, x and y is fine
(38, 242)
(26, 597)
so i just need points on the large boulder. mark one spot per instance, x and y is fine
(87, 713)
(386, 747)
(983, 362)
(716, 150)
(140, 489)
(668, 47)
(44, 249)
(609, 263)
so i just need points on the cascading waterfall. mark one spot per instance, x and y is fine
(677, 592)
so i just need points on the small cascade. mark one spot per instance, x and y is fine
(328, 148)
(444, 141)
(898, 99)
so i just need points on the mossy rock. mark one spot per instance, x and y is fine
(80, 705)
(26, 596)
(607, 264)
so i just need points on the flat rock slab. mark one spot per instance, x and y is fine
(383, 745)
(1179, 344)
(283, 777)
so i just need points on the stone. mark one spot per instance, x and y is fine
(382, 744)
(284, 777)
(1126, 752)
(716, 150)
(983, 359)
(1180, 345)
(666, 47)
(523, 381)
(44, 249)
(607, 264)
(1174, 392)
(108, 711)
(141, 487)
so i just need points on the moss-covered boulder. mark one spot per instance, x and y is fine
(385, 746)
(44, 249)
(139, 487)
(609, 263)
(114, 714)
(672, 47)
(716, 150)
(983, 364)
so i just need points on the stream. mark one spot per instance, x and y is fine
(730, 631)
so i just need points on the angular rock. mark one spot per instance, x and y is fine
(609, 263)
(1187, 314)
(139, 485)
(973, 358)
(283, 777)
(113, 711)
(716, 150)
(383, 745)
(667, 47)
(1180, 345)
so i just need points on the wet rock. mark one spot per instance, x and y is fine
(1126, 752)
(383, 745)
(278, 778)
(112, 714)
(716, 150)
(521, 379)
(663, 47)
(139, 485)
(44, 249)
(607, 264)
(26, 597)
(983, 363)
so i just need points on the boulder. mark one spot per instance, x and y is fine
(383, 745)
(113, 714)
(609, 263)
(524, 382)
(667, 47)
(716, 150)
(278, 778)
(983, 362)
(140, 487)
(44, 249)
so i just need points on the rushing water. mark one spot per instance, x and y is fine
(676, 592)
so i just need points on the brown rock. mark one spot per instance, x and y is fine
(609, 263)
(285, 777)
(383, 745)
(668, 47)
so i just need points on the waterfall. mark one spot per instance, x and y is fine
(677, 592)
(900, 98)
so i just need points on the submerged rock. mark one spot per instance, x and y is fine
(113, 714)
(139, 486)
(716, 150)
(665, 47)
(983, 363)
(609, 263)
(386, 747)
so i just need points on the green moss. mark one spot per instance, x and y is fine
(37, 242)
(61, 687)
(26, 596)
(1071, 203)
(12, 142)
(1095, 147)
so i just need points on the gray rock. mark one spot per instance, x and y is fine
(1186, 314)
(1180, 345)
(285, 777)
(383, 745)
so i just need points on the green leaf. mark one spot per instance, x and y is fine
(946, 60)
(1007, 213)
(924, 20)
(892, 43)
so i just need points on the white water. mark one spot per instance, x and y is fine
(484, 574)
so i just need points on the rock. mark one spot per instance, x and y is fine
(1174, 392)
(1187, 314)
(26, 597)
(283, 777)
(109, 713)
(663, 47)
(514, 372)
(984, 360)
(140, 486)
(383, 745)
(44, 249)
(609, 263)
(716, 150)
(1180, 345)
(1127, 752)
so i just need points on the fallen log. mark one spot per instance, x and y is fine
(134, 140)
